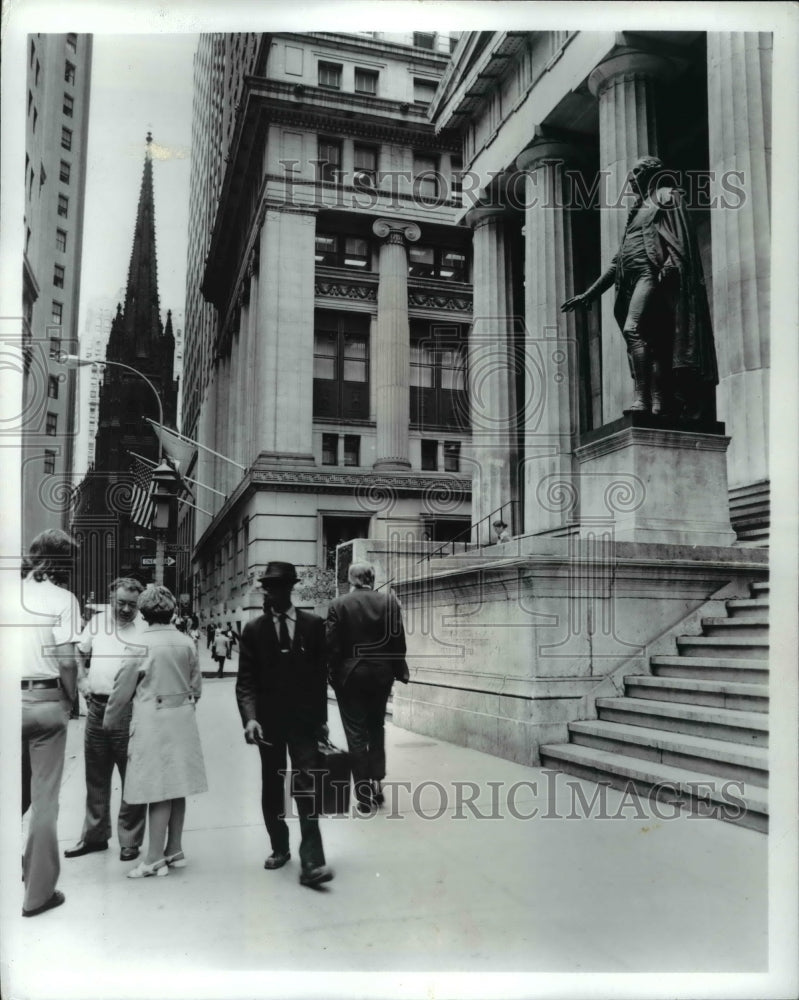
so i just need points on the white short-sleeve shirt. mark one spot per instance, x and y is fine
(51, 617)
(107, 642)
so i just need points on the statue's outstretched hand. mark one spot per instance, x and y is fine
(572, 303)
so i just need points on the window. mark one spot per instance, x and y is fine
(423, 91)
(456, 181)
(424, 39)
(330, 75)
(64, 172)
(72, 42)
(52, 386)
(51, 424)
(329, 160)
(63, 205)
(437, 262)
(60, 239)
(341, 366)
(438, 376)
(69, 72)
(68, 105)
(452, 456)
(365, 81)
(56, 313)
(55, 348)
(429, 455)
(30, 182)
(335, 250)
(425, 174)
(42, 175)
(454, 38)
(49, 461)
(352, 449)
(35, 118)
(66, 137)
(33, 52)
(27, 238)
(366, 163)
(38, 71)
(330, 449)
(58, 276)
(30, 101)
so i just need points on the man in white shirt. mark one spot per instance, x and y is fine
(101, 650)
(48, 630)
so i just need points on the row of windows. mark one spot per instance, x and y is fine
(336, 447)
(338, 250)
(329, 77)
(428, 180)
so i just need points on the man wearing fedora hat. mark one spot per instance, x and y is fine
(281, 692)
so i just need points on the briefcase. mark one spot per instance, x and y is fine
(332, 779)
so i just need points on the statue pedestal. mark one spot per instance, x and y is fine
(649, 480)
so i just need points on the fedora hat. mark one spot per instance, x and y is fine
(278, 572)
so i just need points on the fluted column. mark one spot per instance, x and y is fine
(739, 127)
(492, 373)
(392, 347)
(252, 444)
(552, 400)
(625, 86)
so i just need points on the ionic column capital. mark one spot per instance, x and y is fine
(630, 64)
(393, 231)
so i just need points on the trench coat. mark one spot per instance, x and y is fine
(165, 758)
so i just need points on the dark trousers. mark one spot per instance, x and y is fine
(45, 714)
(362, 705)
(103, 750)
(273, 800)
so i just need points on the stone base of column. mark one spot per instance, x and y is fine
(387, 464)
(655, 484)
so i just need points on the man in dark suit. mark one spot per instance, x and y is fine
(282, 696)
(366, 654)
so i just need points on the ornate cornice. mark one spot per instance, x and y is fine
(343, 289)
(423, 299)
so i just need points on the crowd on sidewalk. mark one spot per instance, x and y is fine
(139, 674)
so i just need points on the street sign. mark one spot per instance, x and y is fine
(151, 561)
(175, 548)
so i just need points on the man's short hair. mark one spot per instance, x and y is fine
(51, 554)
(361, 574)
(126, 583)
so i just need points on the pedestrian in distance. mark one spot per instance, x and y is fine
(101, 650)
(366, 654)
(162, 678)
(233, 638)
(50, 627)
(209, 634)
(281, 690)
(220, 649)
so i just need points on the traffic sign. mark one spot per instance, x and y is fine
(176, 548)
(152, 561)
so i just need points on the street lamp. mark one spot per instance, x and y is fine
(165, 488)
(75, 361)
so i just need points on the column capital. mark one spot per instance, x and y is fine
(630, 64)
(394, 231)
(546, 150)
(482, 214)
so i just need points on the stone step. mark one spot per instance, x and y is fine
(749, 728)
(748, 647)
(696, 753)
(754, 626)
(696, 791)
(710, 668)
(736, 695)
(744, 607)
(761, 587)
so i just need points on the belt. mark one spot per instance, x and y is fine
(100, 697)
(30, 683)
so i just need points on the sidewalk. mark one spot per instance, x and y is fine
(636, 893)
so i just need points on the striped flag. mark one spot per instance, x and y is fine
(141, 505)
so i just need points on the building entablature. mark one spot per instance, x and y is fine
(378, 47)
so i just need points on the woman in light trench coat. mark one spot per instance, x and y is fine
(165, 761)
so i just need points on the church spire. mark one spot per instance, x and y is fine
(142, 315)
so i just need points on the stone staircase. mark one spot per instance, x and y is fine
(697, 721)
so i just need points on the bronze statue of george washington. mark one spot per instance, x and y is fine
(661, 302)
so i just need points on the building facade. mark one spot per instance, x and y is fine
(326, 360)
(58, 79)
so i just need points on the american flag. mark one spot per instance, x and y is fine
(141, 506)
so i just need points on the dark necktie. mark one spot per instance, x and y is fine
(283, 635)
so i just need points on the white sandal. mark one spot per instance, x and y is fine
(143, 870)
(176, 860)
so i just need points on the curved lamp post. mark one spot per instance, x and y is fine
(75, 361)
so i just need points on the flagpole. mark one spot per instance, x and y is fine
(188, 479)
(194, 505)
(196, 444)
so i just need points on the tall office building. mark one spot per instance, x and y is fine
(99, 314)
(328, 299)
(58, 87)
